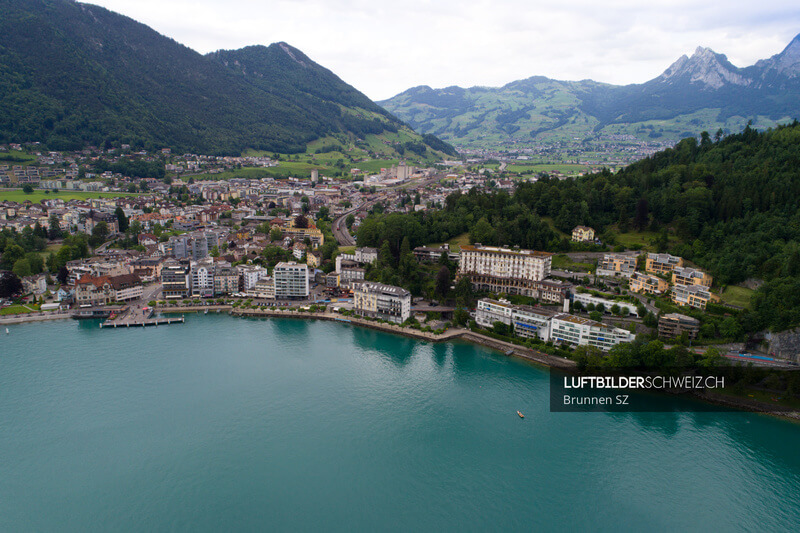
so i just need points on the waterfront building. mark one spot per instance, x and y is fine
(582, 234)
(126, 287)
(102, 290)
(175, 279)
(264, 289)
(580, 331)
(527, 321)
(489, 311)
(532, 322)
(503, 269)
(647, 284)
(202, 275)
(613, 265)
(226, 279)
(696, 296)
(90, 290)
(377, 300)
(291, 280)
(674, 324)
(662, 263)
(691, 276)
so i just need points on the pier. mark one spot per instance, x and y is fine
(133, 317)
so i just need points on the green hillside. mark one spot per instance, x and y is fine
(728, 206)
(74, 74)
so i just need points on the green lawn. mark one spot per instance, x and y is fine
(18, 309)
(563, 262)
(645, 239)
(455, 243)
(739, 296)
(14, 195)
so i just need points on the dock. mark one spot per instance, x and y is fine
(134, 317)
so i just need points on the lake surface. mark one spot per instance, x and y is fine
(225, 424)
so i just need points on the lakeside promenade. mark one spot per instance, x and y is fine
(449, 335)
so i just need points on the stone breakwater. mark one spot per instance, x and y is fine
(33, 317)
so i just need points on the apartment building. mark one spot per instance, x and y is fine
(489, 311)
(647, 284)
(674, 325)
(291, 280)
(195, 245)
(202, 275)
(503, 269)
(582, 234)
(527, 321)
(580, 331)
(226, 279)
(691, 276)
(662, 263)
(251, 274)
(617, 265)
(263, 288)
(377, 300)
(176, 280)
(696, 296)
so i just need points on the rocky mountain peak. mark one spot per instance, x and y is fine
(706, 67)
(786, 63)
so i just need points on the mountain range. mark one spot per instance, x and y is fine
(73, 74)
(701, 92)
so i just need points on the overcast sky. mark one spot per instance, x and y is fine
(384, 47)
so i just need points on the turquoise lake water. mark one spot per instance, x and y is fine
(225, 424)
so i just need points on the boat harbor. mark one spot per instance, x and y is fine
(132, 317)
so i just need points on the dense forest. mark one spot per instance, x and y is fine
(730, 205)
(74, 74)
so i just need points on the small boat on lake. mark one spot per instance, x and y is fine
(520, 414)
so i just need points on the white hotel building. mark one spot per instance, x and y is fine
(504, 270)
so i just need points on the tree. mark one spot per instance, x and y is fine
(443, 281)
(54, 227)
(10, 284)
(136, 228)
(350, 220)
(122, 220)
(214, 251)
(22, 268)
(99, 234)
(275, 234)
(300, 222)
(596, 316)
(27, 189)
(501, 328)
(63, 275)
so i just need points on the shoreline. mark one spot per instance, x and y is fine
(528, 354)
(506, 348)
(33, 317)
